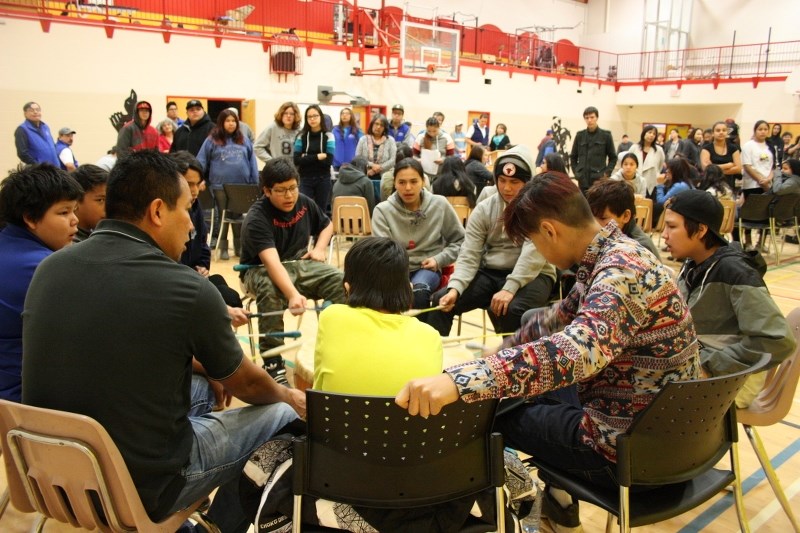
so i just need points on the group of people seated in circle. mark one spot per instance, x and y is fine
(150, 353)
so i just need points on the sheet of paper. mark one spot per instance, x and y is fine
(428, 158)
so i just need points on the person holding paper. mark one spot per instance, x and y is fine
(432, 147)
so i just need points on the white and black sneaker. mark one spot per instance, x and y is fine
(276, 367)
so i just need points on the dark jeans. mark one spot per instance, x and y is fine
(318, 188)
(478, 295)
(548, 429)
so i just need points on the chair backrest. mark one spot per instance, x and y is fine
(240, 196)
(728, 215)
(774, 401)
(205, 199)
(756, 207)
(366, 450)
(57, 463)
(461, 207)
(784, 207)
(685, 430)
(351, 216)
(659, 226)
(644, 213)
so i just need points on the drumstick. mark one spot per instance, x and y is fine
(282, 348)
(275, 334)
(324, 305)
(448, 340)
(416, 312)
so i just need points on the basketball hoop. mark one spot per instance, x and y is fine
(431, 68)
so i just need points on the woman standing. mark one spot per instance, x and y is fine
(723, 153)
(500, 141)
(377, 147)
(425, 224)
(776, 144)
(227, 157)
(277, 140)
(433, 147)
(166, 131)
(691, 147)
(313, 156)
(758, 161)
(650, 157)
(346, 136)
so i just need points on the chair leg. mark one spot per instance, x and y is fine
(772, 477)
(3, 502)
(500, 509)
(738, 498)
(624, 510)
(206, 522)
(297, 513)
(772, 232)
(40, 524)
(610, 519)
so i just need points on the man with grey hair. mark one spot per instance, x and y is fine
(33, 139)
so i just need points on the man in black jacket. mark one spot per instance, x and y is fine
(192, 133)
(593, 154)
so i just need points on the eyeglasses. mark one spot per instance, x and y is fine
(289, 191)
(312, 116)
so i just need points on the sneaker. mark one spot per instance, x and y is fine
(276, 367)
(223, 255)
(560, 519)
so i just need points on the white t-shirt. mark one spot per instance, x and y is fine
(759, 156)
(66, 156)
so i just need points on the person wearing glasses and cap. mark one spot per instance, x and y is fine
(138, 134)
(191, 135)
(735, 317)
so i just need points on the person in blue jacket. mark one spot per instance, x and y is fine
(345, 135)
(33, 139)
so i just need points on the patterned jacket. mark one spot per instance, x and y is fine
(621, 333)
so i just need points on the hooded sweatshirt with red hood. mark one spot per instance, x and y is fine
(138, 134)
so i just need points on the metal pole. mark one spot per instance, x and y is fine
(766, 59)
(733, 51)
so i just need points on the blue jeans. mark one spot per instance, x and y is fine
(548, 429)
(202, 399)
(223, 441)
(424, 282)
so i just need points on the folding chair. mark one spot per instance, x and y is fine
(728, 216)
(755, 214)
(66, 467)
(770, 407)
(350, 219)
(461, 207)
(644, 213)
(237, 199)
(207, 204)
(367, 451)
(782, 215)
(673, 445)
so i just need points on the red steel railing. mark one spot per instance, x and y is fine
(342, 24)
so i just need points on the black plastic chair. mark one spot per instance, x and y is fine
(783, 215)
(755, 214)
(672, 446)
(367, 451)
(236, 199)
(206, 200)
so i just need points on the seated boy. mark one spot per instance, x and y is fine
(92, 206)
(610, 199)
(734, 315)
(275, 234)
(37, 208)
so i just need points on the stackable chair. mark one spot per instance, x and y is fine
(351, 219)
(207, 204)
(237, 198)
(673, 445)
(367, 451)
(461, 207)
(728, 216)
(782, 215)
(755, 214)
(66, 467)
(770, 406)
(644, 213)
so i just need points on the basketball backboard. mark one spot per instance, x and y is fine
(429, 52)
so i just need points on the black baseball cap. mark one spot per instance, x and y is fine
(700, 206)
(194, 103)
